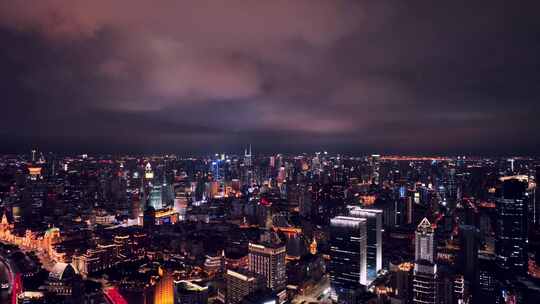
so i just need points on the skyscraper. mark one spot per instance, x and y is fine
(240, 284)
(305, 202)
(348, 255)
(511, 228)
(155, 199)
(374, 239)
(425, 271)
(468, 256)
(268, 260)
(536, 199)
(375, 167)
(425, 283)
(247, 157)
(149, 219)
(247, 175)
(451, 188)
(424, 241)
(401, 278)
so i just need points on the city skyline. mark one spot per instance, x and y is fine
(287, 229)
(189, 76)
(269, 152)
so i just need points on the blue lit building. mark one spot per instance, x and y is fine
(374, 239)
(348, 257)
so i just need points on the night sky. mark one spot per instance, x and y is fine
(196, 76)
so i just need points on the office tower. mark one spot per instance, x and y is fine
(268, 260)
(247, 157)
(34, 151)
(487, 283)
(389, 213)
(409, 210)
(375, 167)
(451, 188)
(401, 278)
(186, 292)
(424, 241)
(240, 284)
(511, 228)
(305, 202)
(425, 283)
(468, 254)
(348, 256)
(167, 195)
(425, 271)
(248, 170)
(450, 287)
(511, 161)
(149, 218)
(374, 239)
(155, 198)
(215, 168)
(536, 201)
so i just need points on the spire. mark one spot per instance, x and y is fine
(424, 223)
(424, 226)
(4, 219)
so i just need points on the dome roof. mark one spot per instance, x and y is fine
(62, 271)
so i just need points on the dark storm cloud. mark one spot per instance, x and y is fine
(357, 76)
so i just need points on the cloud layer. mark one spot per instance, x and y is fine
(197, 75)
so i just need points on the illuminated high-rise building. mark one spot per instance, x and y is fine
(148, 172)
(468, 256)
(374, 239)
(247, 173)
(511, 230)
(34, 152)
(425, 271)
(375, 167)
(268, 260)
(247, 157)
(240, 284)
(451, 188)
(216, 168)
(348, 256)
(401, 278)
(424, 246)
(155, 199)
(305, 202)
(534, 212)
